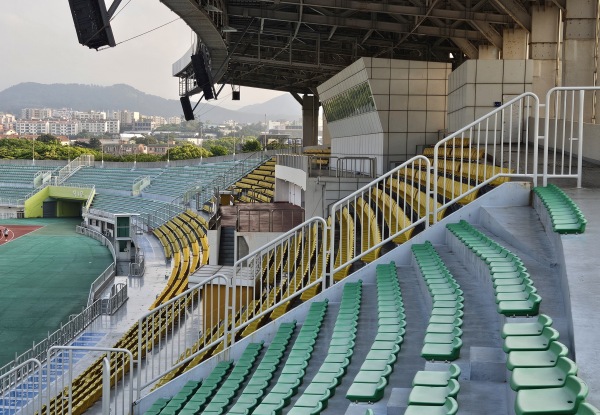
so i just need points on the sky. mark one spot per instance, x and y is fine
(38, 43)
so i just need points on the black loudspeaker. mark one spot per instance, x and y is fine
(202, 75)
(235, 95)
(92, 23)
(188, 113)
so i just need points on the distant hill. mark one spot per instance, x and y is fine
(124, 97)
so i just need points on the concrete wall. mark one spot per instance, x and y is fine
(410, 102)
(477, 85)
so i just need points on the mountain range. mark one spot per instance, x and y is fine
(124, 97)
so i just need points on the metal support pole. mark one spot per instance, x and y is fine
(105, 386)
(580, 139)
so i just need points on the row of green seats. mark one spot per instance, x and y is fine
(202, 396)
(565, 215)
(434, 392)
(236, 378)
(544, 378)
(372, 378)
(294, 368)
(514, 290)
(443, 335)
(341, 347)
(258, 383)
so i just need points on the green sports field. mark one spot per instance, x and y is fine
(45, 276)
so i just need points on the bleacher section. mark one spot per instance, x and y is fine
(174, 181)
(298, 381)
(110, 178)
(531, 345)
(20, 174)
(257, 186)
(127, 204)
(565, 216)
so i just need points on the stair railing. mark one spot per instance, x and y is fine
(504, 143)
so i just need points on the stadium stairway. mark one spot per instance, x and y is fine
(482, 359)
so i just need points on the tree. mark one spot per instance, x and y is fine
(187, 151)
(251, 146)
(48, 139)
(95, 143)
(218, 150)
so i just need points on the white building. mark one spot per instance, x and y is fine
(90, 115)
(36, 113)
(64, 127)
(29, 127)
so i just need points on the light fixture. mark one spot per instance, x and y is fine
(228, 29)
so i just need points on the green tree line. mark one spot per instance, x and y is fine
(48, 147)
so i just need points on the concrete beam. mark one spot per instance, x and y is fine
(515, 10)
(466, 47)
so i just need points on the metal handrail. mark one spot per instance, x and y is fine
(367, 191)
(499, 142)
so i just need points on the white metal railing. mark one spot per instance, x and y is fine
(21, 389)
(498, 145)
(387, 205)
(568, 110)
(108, 274)
(117, 379)
(278, 272)
(113, 303)
(180, 330)
(85, 160)
(90, 199)
(140, 184)
(62, 336)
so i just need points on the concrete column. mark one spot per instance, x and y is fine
(545, 35)
(326, 133)
(514, 44)
(489, 52)
(310, 120)
(579, 51)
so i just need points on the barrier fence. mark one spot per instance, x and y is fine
(21, 389)
(182, 329)
(278, 272)
(60, 337)
(117, 379)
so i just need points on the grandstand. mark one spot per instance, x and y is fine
(446, 265)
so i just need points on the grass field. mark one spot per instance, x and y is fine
(45, 276)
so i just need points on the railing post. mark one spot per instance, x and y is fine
(580, 139)
(105, 386)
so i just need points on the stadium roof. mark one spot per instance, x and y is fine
(294, 45)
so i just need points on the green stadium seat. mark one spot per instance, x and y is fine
(538, 358)
(436, 378)
(450, 407)
(433, 395)
(526, 329)
(562, 400)
(543, 377)
(535, 342)
(587, 409)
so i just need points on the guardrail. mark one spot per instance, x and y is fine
(180, 330)
(62, 336)
(499, 141)
(568, 110)
(394, 215)
(112, 304)
(140, 184)
(278, 272)
(117, 379)
(107, 276)
(21, 389)
(85, 160)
